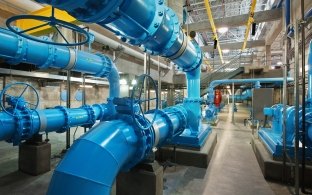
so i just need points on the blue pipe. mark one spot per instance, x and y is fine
(58, 119)
(21, 50)
(149, 24)
(95, 159)
(244, 96)
(215, 83)
(287, 15)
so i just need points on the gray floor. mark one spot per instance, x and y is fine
(232, 170)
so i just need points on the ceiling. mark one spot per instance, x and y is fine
(229, 8)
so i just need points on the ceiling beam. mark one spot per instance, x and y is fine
(261, 16)
(274, 31)
(235, 45)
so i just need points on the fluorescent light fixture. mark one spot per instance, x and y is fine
(123, 82)
(228, 87)
(279, 63)
(225, 51)
(133, 82)
(272, 67)
(131, 87)
(226, 62)
(229, 69)
(177, 90)
(223, 30)
(86, 86)
(152, 91)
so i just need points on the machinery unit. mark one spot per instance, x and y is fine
(273, 137)
(212, 111)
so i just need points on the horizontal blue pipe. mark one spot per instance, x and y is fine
(216, 83)
(244, 96)
(49, 120)
(21, 50)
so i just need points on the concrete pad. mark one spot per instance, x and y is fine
(143, 179)
(197, 158)
(273, 169)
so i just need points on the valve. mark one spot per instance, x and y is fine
(18, 100)
(51, 21)
(136, 99)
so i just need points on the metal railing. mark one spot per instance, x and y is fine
(223, 72)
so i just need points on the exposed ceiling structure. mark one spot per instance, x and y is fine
(230, 18)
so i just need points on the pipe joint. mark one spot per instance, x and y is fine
(91, 114)
(66, 118)
(24, 128)
(107, 66)
(20, 52)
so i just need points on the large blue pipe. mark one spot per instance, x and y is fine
(58, 119)
(149, 24)
(21, 50)
(95, 159)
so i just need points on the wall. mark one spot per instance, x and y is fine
(50, 95)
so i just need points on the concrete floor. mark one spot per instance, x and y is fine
(232, 170)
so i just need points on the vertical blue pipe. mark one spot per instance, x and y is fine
(287, 15)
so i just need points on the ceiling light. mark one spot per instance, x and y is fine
(279, 63)
(225, 51)
(123, 82)
(223, 29)
(133, 82)
(86, 86)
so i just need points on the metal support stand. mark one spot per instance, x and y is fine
(159, 84)
(68, 106)
(233, 102)
(296, 103)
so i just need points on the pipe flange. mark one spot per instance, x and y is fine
(157, 20)
(21, 50)
(145, 141)
(51, 58)
(176, 29)
(24, 128)
(198, 61)
(107, 62)
(91, 114)
(181, 50)
(102, 111)
(192, 100)
(66, 117)
(182, 114)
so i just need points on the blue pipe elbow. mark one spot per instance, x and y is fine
(94, 160)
